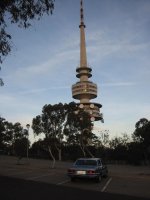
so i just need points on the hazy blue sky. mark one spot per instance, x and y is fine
(41, 67)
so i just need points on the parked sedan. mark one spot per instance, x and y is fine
(91, 168)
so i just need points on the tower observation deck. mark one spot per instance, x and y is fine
(85, 90)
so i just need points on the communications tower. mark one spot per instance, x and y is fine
(84, 90)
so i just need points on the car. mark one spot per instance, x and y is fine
(91, 168)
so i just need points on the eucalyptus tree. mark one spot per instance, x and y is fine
(51, 124)
(142, 131)
(12, 136)
(78, 128)
(20, 141)
(16, 139)
(38, 149)
(141, 135)
(6, 133)
(18, 131)
(2, 133)
(12, 132)
(119, 148)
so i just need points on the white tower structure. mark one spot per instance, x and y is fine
(85, 90)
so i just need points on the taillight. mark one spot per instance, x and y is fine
(91, 172)
(71, 171)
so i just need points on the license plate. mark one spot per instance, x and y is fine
(81, 172)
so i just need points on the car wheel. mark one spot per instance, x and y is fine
(105, 175)
(98, 179)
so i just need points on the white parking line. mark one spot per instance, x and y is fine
(106, 185)
(63, 182)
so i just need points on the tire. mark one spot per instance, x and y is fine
(106, 174)
(98, 179)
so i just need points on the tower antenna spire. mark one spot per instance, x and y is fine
(83, 56)
(81, 14)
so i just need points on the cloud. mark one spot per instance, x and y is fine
(119, 84)
(42, 90)
(124, 41)
(108, 46)
(6, 98)
(50, 69)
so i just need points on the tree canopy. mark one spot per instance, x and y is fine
(12, 137)
(63, 123)
(68, 132)
(50, 123)
(142, 131)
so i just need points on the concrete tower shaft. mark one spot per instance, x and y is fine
(83, 56)
(85, 90)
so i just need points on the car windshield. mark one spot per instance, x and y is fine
(86, 162)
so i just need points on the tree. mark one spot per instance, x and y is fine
(20, 147)
(119, 147)
(142, 135)
(51, 123)
(19, 141)
(141, 130)
(7, 139)
(17, 135)
(103, 139)
(39, 149)
(6, 134)
(19, 12)
(9, 134)
(18, 131)
(135, 155)
(13, 132)
(2, 133)
(71, 130)
(78, 128)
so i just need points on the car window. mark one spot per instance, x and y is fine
(86, 162)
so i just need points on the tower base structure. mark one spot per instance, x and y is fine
(93, 109)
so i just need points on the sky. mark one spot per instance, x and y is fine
(42, 65)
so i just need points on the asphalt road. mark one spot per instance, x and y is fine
(36, 178)
(18, 189)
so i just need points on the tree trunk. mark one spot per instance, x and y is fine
(53, 158)
(59, 152)
(145, 158)
(88, 151)
(83, 150)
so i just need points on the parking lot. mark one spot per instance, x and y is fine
(122, 179)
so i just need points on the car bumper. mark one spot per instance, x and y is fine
(88, 176)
